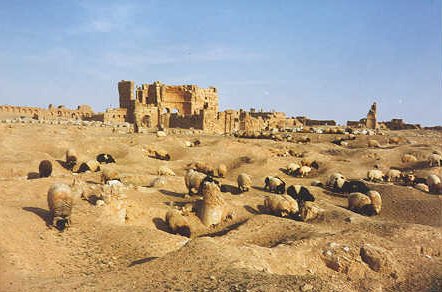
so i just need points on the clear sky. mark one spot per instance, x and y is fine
(326, 59)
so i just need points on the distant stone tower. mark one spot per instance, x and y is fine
(126, 92)
(371, 122)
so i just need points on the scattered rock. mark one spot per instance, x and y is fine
(158, 182)
(114, 183)
(349, 219)
(333, 244)
(334, 263)
(377, 258)
(306, 287)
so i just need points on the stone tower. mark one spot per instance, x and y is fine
(371, 122)
(126, 92)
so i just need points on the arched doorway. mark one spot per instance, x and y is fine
(146, 121)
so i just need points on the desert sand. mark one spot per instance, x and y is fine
(253, 251)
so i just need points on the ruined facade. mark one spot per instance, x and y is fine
(161, 106)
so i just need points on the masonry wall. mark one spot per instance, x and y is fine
(115, 115)
(146, 117)
(126, 93)
(82, 112)
(186, 122)
(176, 98)
(309, 122)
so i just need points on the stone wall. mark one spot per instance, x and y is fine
(118, 115)
(309, 122)
(60, 112)
(355, 124)
(147, 117)
(187, 121)
(399, 124)
(228, 122)
(182, 99)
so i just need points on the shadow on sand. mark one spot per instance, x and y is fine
(172, 194)
(142, 261)
(42, 213)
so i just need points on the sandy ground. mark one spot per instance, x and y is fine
(251, 252)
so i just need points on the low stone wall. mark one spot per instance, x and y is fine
(82, 112)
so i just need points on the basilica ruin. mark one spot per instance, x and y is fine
(160, 106)
(163, 106)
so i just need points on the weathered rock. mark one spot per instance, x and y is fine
(378, 259)
(306, 287)
(158, 182)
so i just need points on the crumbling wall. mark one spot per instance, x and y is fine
(60, 112)
(145, 117)
(309, 122)
(176, 99)
(399, 124)
(186, 122)
(249, 124)
(227, 122)
(118, 115)
(355, 124)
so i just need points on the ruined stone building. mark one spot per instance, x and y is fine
(161, 106)
(370, 122)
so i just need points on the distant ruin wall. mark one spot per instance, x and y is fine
(309, 122)
(399, 124)
(355, 124)
(60, 112)
(115, 115)
(227, 122)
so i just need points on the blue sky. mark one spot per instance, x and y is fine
(326, 59)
